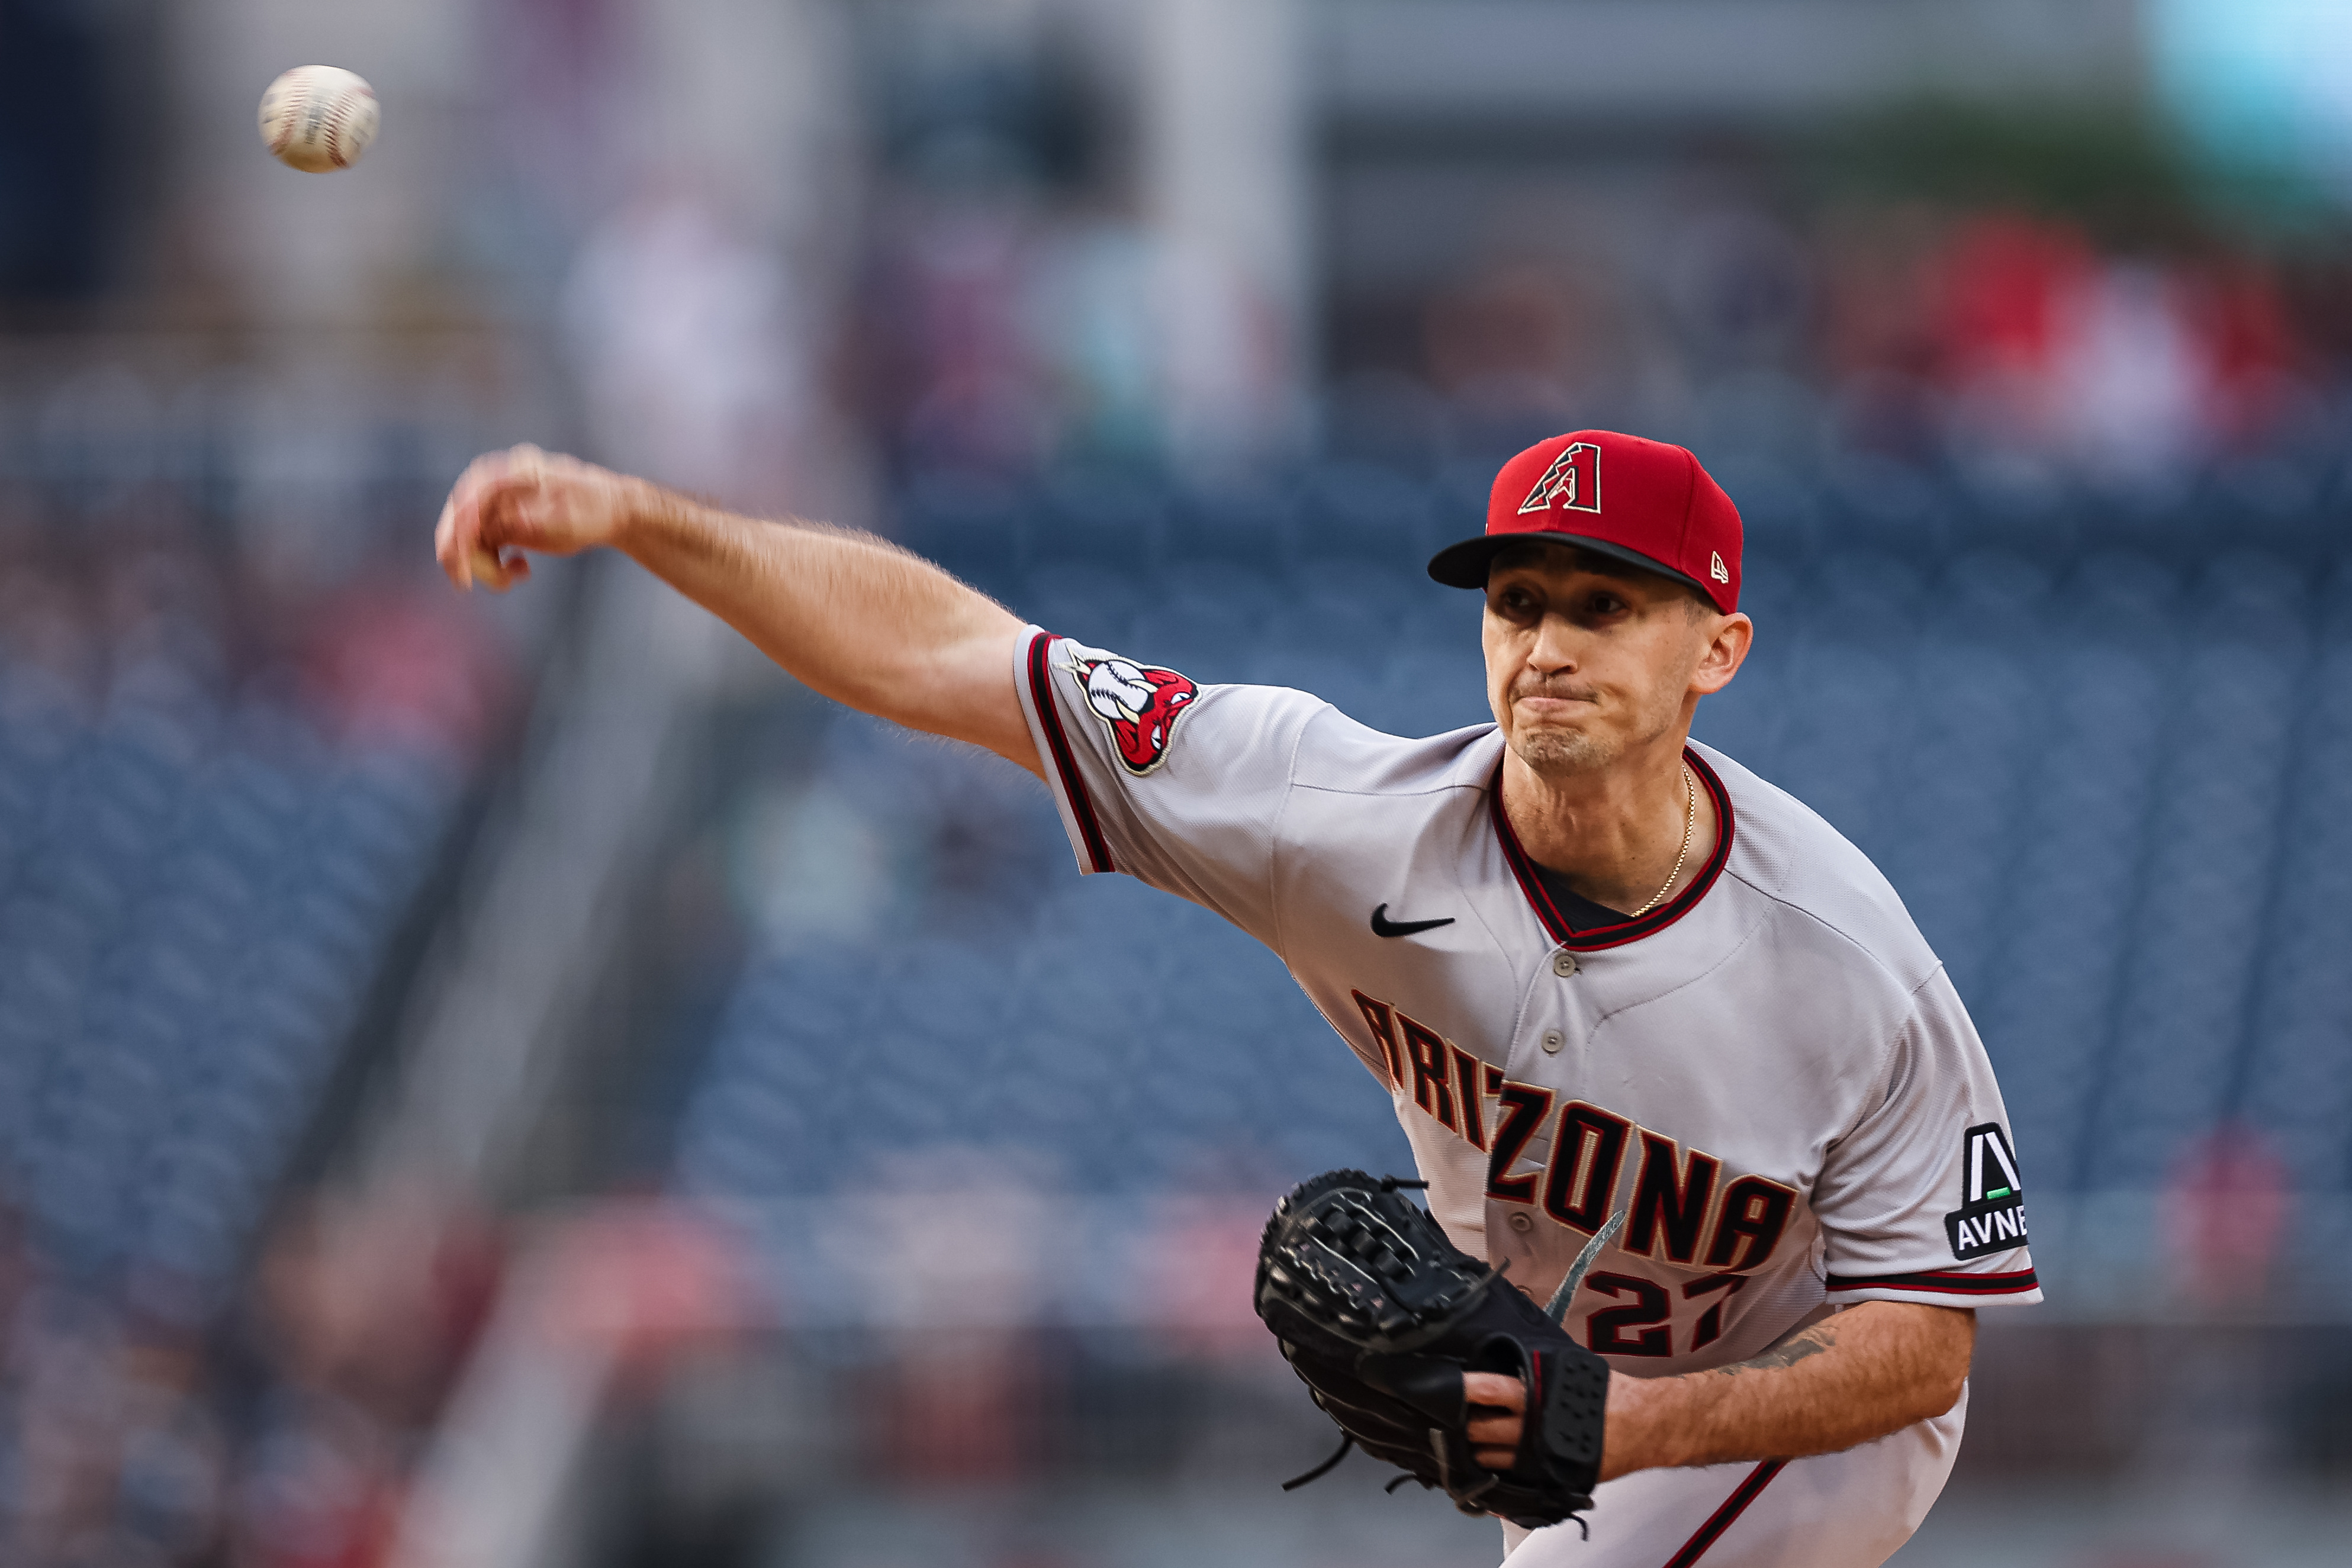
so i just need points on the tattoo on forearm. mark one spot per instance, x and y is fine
(1812, 1342)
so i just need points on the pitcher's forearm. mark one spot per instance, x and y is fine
(1848, 1380)
(848, 614)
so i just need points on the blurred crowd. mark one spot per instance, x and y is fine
(2003, 343)
(2005, 332)
(278, 1434)
(235, 734)
(1010, 335)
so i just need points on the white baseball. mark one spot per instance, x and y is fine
(317, 118)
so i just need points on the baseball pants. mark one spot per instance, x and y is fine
(1833, 1510)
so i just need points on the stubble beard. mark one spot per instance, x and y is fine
(1568, 751)
(1564, 753)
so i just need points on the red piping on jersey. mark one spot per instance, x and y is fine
(1658, 919)
(1722, 1519)
(1949, 1282)
(1074, 784)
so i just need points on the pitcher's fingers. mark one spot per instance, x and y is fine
(1494, 1388)
(471, 540)
(519, 469)
(499, 570)
(498, 575)
(463, 511)
(1502, 1431)
(453, 547)
(514, 510)
(457, 535)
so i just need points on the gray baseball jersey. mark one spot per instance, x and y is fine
(1770, 1075)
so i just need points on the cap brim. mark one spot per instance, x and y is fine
(1465, 565)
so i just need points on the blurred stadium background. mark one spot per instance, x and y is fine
(495, 1084)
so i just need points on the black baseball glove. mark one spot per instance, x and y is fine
(1380, 1315)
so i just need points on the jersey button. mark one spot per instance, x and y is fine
(1563, 964)
(1553, 1041)
(1520, 1221)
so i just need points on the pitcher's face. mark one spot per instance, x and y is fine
(1588, 661)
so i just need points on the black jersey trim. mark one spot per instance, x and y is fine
(1948, 1283)
(1658, 919)
(1745, 1494)
(1065, 763)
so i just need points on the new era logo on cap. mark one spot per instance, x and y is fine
(1658, 510)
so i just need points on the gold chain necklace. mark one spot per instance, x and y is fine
(1690, 819)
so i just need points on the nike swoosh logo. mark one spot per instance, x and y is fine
(1383, 926)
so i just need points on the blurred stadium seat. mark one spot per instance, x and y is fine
(191, 923)
(223, 781)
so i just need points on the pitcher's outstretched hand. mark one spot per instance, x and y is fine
(525, 499)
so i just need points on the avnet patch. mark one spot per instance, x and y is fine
(1991, 1216)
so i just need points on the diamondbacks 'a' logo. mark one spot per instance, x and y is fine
(1138, 704)
(1991, 1216)
(1572, 482)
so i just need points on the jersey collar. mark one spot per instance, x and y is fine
(1658, 919)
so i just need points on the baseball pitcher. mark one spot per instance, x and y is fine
(1718, 1173)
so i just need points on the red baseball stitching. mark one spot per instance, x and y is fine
(284, 137)
(335, 127)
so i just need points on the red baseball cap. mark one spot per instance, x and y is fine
(1646, 503)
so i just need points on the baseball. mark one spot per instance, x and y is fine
(317, 118)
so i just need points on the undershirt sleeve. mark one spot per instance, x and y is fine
(1923, 1200)
(1178, 785)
